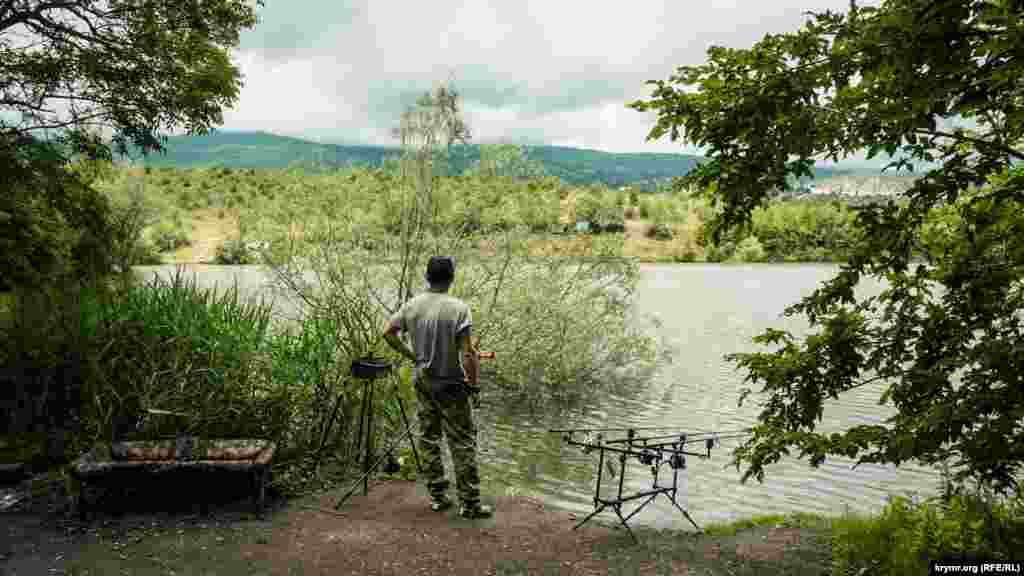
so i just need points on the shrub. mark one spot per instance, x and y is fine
(235, 252)
(806, 229)
(908, 534)
(662, 209)
(167, 237)
(53, 221)
(505, 294)
(660, 232)
(597, 206)
(749, 250)
(686, 255)
(537, 209)
(719, 252)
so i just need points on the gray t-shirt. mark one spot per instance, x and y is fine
(432, 321)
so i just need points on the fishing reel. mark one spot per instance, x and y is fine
(591, 442)
(647, 457)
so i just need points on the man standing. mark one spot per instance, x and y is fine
(439, 329)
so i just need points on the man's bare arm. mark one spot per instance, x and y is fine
(470, 359)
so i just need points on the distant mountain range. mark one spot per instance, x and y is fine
(572, 165)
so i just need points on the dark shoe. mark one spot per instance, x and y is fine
(478, 511)
(440, 504)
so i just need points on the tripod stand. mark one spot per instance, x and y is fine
(653, 451)
(369, 372)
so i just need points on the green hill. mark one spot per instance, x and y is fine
(572, 165)
(262, 150)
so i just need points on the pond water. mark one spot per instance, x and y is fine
(705, 312)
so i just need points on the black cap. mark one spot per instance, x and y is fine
(441, 270)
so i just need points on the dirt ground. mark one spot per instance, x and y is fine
(390, 531)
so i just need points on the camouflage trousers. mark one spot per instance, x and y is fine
(448, 413)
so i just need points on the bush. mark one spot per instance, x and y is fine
(719, 252)
(597, 206)
(538, 209)
(505, 293)
(687, 255)
(53, 222)
(808, 229)
(908, 534)
(749, 250)
(660, 232)
(235, 252)
(167, 237)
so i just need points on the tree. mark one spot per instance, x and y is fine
(51, 222)
(72, 69)
(434, 121)
(508, 160)
(136, 66)
(944, 339)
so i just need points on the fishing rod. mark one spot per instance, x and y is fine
(638, 428)
(691, 438)
(623, 429)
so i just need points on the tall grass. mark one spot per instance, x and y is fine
(89, 361)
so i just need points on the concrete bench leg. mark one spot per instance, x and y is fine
(259, 480)
(78, 498)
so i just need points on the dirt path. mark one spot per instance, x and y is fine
(391, 531)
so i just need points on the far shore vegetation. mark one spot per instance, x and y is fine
(228, 215)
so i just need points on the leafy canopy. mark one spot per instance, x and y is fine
(929, 82)
(136, 66)
(71, 69)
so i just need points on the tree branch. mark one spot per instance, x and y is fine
(14, 103)
(978, 141)
(16, 17)
(49, 28)
(65, 124)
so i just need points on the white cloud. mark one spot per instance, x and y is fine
(532, 71)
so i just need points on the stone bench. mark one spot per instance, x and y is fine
(167, 456)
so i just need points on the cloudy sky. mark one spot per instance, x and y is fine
(553, 72)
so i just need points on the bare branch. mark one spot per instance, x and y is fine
(14, 17)
(80, 120)
(976, 141)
